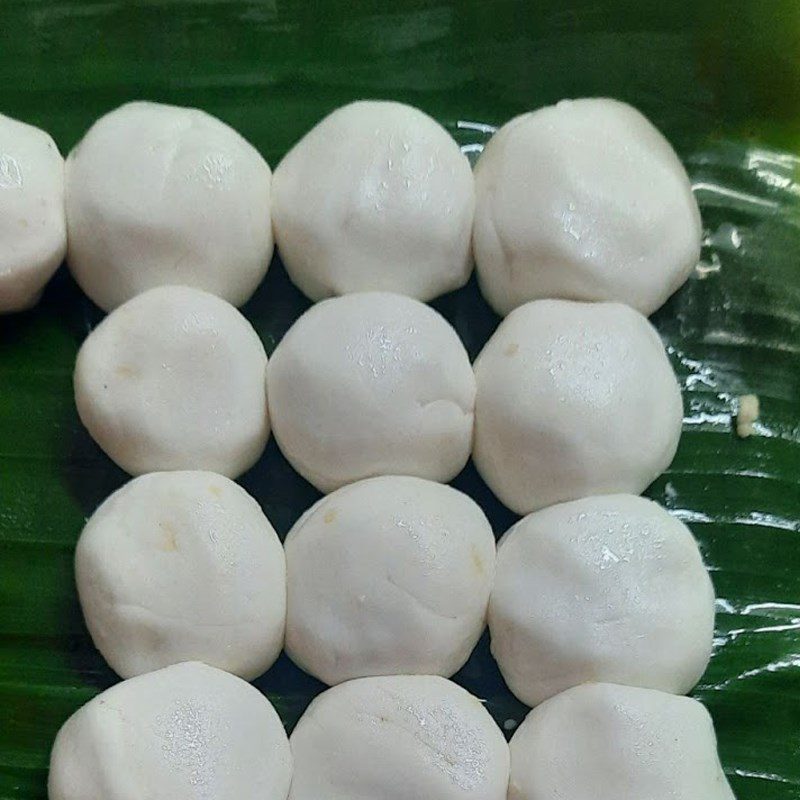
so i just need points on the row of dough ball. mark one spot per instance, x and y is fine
(394, 575)
(582, 200)
(371, 383)
(191, 732)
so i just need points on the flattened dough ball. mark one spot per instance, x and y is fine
(185, 732)
(33, 232)
(377, 197)
(182, 566)
(605, 742)
(583, 200)
(388, 576)
(574, 399)
(608, 589)
(159, 194)
(175, 379)
(401, 737)
(372, 384)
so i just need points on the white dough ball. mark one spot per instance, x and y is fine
(182, 566)
(33, 232)
(158, 195)
(377, 197)
(574, 399)
(605, 742)
(388, 576)
(175, 379)
(186, 732)
(609, 589)
(372, 384)
(583, 200)
(402, 737)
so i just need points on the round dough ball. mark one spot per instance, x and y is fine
(158, 195)
(33, 233)
(574, 399)
(378, 196)
(400, 737)
(388, 576)
(603, 589)
(606, 742)
(174, 379)
(182, 566)
(583, 200)
(372, 384)
(186, 732)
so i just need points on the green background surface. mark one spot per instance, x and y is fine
(722, 79)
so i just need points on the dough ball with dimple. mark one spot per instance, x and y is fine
(609, 589)
(574, 399)
(159, 194)
(388, 576)
(606, 742)
(372, 384)
(175, 379)
(33, 233)
(402, 737)
(583, 200)
(182, 566)
(185, 732)
(377, 197)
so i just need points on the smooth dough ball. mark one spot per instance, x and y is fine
(388, 576)
(606, 742)
(182, 566)
(574, 399)
(186, 732)
(372, 384)
(175, 379)
(377, 197)
(401, 737)
(583, 200)
(608, 588)
(160, 195)
(33, 233)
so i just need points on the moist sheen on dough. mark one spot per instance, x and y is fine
(185, 732)
(573, 399)
(584, 200)
(371, 384)
(606, 742)
(175, 379)
(388, 576)
(401, 737)
(159, 194)
(607, 588)
(376, 197)
(33, 231)
(182, 566)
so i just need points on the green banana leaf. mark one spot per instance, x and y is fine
(723, 82)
